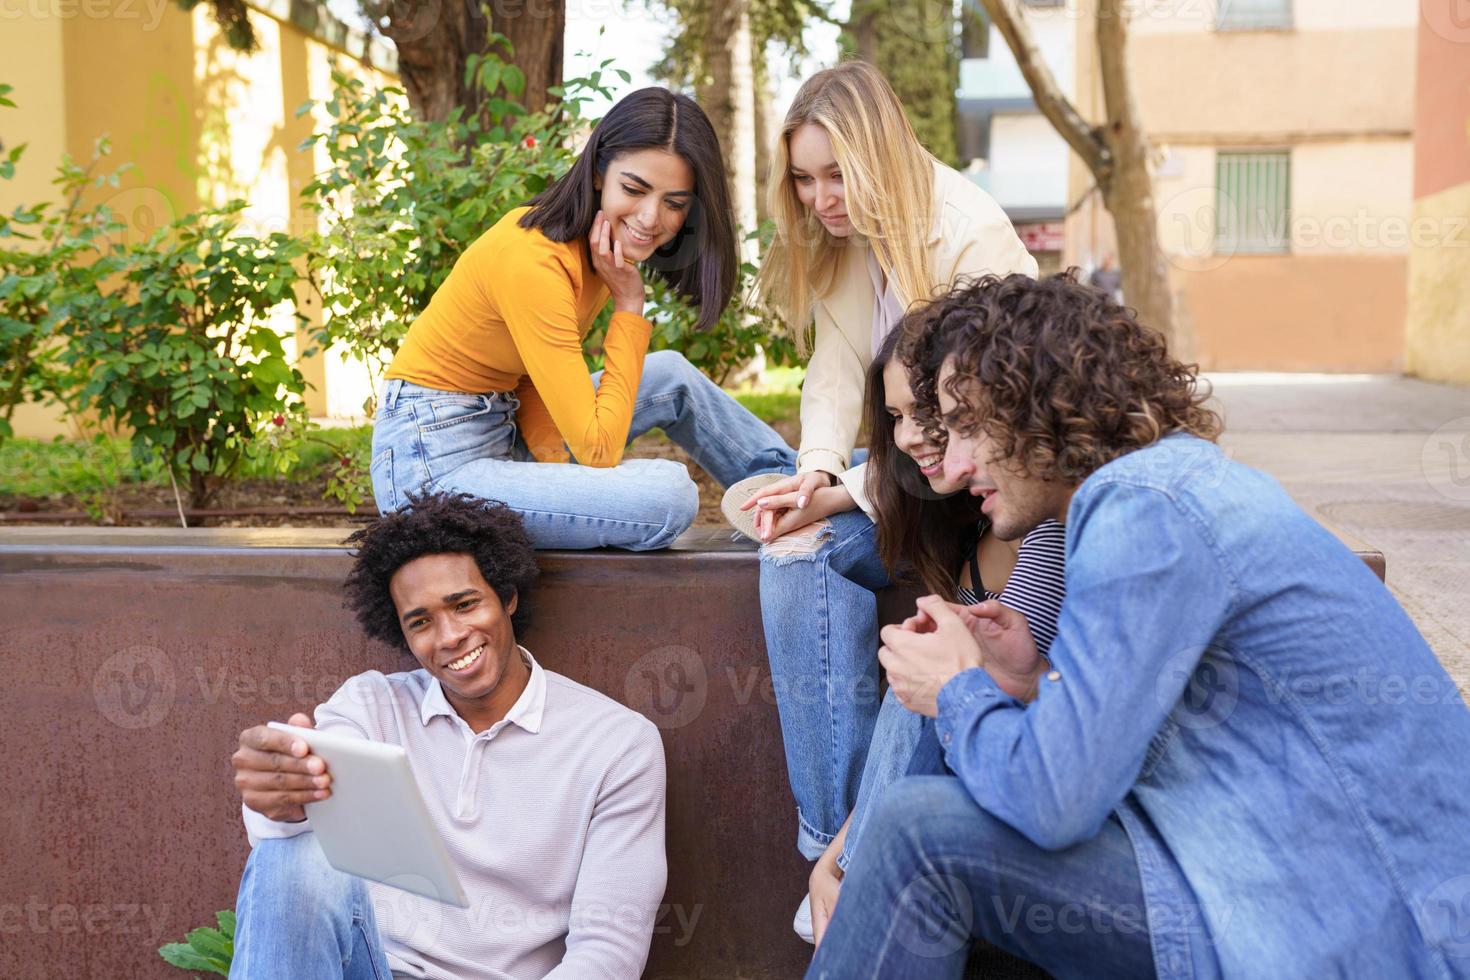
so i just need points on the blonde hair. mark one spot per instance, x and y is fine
(888, 179)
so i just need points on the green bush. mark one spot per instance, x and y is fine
(403, 198)
(180, 347)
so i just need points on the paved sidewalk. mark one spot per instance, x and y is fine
(1385, 459)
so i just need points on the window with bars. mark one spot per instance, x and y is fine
(1253, 15)
(1253, 202)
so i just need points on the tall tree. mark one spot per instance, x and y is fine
(435, 40)
(1116, 152)
(914, 44)
(719, 49)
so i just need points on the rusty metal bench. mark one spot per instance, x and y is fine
(134, 657)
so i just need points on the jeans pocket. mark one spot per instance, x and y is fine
(380, 471)
(453, 411)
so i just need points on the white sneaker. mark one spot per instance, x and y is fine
(744, 520)
(803, 921)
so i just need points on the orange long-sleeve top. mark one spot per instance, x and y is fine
(512, 316)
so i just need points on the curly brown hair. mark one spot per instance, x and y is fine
(1068, 379)
(438, 524)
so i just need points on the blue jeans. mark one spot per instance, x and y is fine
(426, 439)
(936, 873)
(297, 916)
(903, 744)
(820, 612)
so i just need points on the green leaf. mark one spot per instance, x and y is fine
(226, 919)
(184, 957)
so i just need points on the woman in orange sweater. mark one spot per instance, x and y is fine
(489, 394)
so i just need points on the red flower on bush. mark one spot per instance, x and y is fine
(278, 420)
(529, 142)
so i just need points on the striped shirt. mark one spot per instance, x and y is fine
(553, 818)
(1037, 584)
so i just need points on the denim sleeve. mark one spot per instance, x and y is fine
(1146, 594)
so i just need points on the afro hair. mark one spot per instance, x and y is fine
(438, 524)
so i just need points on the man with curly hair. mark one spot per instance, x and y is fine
(549, 796)
(1242, 758)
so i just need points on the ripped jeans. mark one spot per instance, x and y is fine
(820, 612)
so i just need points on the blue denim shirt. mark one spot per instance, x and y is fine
(1290, 760)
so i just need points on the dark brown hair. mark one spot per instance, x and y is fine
(1068, 380)
(919, 532)
(700, 263)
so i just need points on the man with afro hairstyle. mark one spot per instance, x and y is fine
(1242, 759)
(548, 795)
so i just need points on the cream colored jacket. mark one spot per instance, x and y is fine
(969, 235)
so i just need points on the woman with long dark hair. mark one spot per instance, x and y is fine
(490, 394)
(932, 534)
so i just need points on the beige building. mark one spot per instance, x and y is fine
(199, 122)
(1284, 133)
(1438, 330)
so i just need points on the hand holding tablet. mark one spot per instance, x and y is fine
(372, 822)
(276, 772)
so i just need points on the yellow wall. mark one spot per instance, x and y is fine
(200, 123)
(1438, 336)
(40, 95)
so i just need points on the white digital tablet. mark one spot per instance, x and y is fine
(375, 824)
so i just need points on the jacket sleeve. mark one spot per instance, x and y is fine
(536, 298)
(537, 428)
(831, 400)
(1147, 592)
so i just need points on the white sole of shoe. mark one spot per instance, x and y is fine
(744, 520)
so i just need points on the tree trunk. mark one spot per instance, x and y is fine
(766, 125)
(914, 46)
(1129, 195)
(436, 38)
(1116, 153)
(862, 26)
(727, 94)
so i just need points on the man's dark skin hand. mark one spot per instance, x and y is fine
(277, 775)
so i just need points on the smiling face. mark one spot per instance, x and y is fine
(459, 632)
(908, 434)
(818, 179)
(1014, 501)
(646, 195)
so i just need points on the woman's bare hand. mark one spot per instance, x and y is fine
(623, 279)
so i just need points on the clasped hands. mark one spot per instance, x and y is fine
(942, 639)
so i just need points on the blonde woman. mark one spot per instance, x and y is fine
(868, 222)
